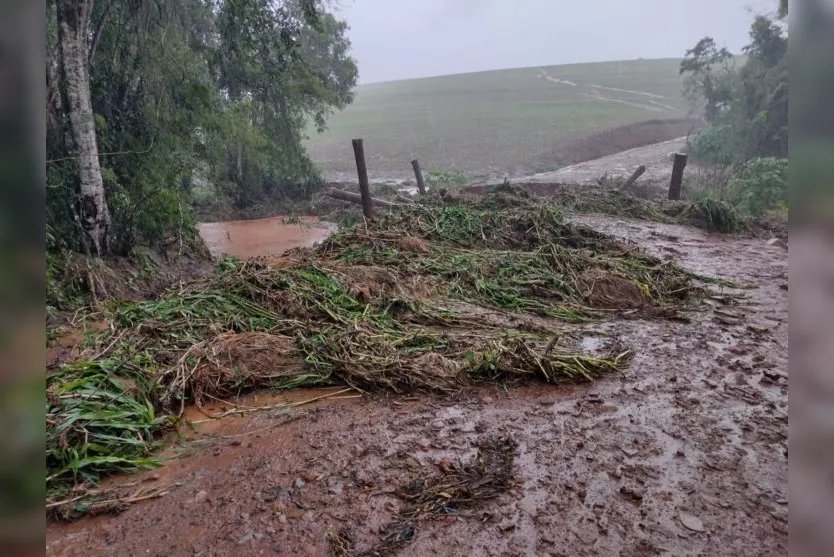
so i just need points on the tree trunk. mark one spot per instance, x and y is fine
(73, 39)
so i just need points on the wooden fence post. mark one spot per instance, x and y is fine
(677, 176)
(362, 171)
(633, 178)
(418, 174)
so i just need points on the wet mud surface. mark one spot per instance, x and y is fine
(684, 454)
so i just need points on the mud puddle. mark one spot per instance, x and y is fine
(70, 340)
(269, 236)
(684, 454)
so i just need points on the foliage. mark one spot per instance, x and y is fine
(760, 185)
(194, 92)
(747, 109)
(713, 145)
(99, 418)
(447, 178)
(715, 215)
(709, 75)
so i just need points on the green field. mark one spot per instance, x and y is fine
(504, 120)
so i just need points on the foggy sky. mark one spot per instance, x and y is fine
(400, 39)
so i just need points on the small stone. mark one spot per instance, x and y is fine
(634, 493)
(282, 518)
(299, 483)
(246, 538)
(691, 522)
(201, 496)
(528, 506)
(630, 451)
(336, 489)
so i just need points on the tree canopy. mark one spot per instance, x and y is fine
(184, 93)
(746, 108)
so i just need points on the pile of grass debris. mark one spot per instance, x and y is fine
(522, 259)
(370, 309)
(708, 214)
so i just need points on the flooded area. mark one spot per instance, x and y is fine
(683, 454)
(268, 237)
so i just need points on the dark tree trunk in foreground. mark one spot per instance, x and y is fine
(73, 38)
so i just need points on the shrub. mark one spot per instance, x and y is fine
(760, 185)
(447, 178)
(714, 145)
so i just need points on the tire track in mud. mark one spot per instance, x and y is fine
(594, 91)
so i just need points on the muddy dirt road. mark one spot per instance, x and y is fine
(685, 454)
(656, 157)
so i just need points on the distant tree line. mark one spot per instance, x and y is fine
(147, 99)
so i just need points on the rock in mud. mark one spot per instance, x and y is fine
(691, 522)
(246, 538)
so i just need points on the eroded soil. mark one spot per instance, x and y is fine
(686, 454)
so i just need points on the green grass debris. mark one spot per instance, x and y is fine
(367, 309)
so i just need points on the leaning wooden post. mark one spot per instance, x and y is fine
(418, 174)
(633, 178)
(362, 170)
(677, 176)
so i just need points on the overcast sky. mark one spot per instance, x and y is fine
(400, 39)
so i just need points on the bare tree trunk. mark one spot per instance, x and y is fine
(73, 39)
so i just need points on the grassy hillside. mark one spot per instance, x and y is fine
(508, 120)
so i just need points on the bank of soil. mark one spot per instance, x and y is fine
(684, 454)
(619, 140)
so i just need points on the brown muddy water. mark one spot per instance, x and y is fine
(269, 236)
